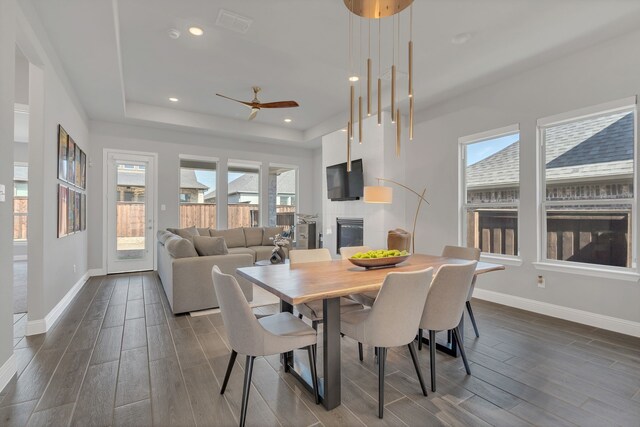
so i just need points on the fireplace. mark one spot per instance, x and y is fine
(349, 232)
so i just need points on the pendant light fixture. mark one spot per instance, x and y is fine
(379, 9)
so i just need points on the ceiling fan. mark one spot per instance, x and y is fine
(256, 105)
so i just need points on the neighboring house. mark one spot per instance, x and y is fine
(131, 186)
(590, 159)
(244, 189)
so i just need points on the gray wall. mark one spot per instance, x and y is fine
(7, 71)
(599, 74)
(170, 145)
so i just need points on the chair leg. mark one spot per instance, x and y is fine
(449, 337)
(360, 351)
(473, 319)
(382, 356)
(416, 364)
(248, 370)
(300, 316)
(420, 339)
(314, 324)
(314, 375)
(232, 361)
(432, 358)
(456, 336)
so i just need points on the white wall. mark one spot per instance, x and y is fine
(602, 73)
(170, 145)
(378, 160)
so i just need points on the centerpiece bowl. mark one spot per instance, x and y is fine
(385, 262)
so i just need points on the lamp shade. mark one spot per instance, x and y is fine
(378, 194)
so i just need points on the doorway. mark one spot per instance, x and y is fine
(130, 211)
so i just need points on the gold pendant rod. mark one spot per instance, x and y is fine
(398, 134)
(369, 85)
(360, 119)
(393, 94)
(411, 119)
(410, 69)
(379, 102)
(349, 125)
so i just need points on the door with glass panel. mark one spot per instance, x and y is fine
(130, 212)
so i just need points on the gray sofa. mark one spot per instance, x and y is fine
(186, 276)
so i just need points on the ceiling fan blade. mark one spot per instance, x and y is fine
(280, 104)
(248, 104)
(254, 112)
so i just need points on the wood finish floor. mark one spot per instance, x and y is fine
(118, 357)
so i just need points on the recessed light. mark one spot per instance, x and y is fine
(343, 129)
(461, 38)
(174, 34)
(196, 31)
(354, 78)
(288, 120)
(173, 99)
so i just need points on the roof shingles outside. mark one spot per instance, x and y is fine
(248, 184)
(593, 148)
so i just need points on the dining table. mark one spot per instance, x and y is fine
(329, 281)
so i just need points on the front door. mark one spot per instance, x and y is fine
(130, 212)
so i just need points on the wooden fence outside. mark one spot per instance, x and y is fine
(20, 209)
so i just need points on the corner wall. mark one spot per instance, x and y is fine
(601, 73)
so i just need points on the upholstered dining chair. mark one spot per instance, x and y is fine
(444, 307)
(392, 320)
(470, 254)
(314, 310)
(365, 298)
(278, 333)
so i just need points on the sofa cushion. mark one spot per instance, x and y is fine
(206, 246)
(234, 237)
(253, 236)
(180, 248)
(185, 233)
(270, 232)
(163, 235)
(203, 232)
(243, 251)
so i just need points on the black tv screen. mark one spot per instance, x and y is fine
(343, 185)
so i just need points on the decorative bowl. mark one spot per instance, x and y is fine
(379, 262)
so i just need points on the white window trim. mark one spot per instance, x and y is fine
(597, 270)
(514, 260)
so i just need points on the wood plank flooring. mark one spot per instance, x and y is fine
(119, 357)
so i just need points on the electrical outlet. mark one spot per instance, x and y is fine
(75, 269)
(541, 282)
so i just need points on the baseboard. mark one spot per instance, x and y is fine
(7, 371)
(19, 257)
(97, 272)
(609, 323)
(40, 326)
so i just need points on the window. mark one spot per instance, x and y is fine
(197, 193)
(588, 196)
(490, 194)
(243, 200)
(282, 197)
(20, 201)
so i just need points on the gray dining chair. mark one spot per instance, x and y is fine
(365, 298)
(392, 321)
(444, 308)
(314, 310)
(470, 254)
(275, 334)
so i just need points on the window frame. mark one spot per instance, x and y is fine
(463, 206)
(297, 186)
(599, 270)
(215, 161)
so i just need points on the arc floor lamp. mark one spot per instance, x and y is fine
(382, 194)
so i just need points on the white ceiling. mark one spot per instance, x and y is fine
(119, 57)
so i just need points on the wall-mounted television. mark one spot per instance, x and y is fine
(343, 185)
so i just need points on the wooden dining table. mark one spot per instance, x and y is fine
(328, 281)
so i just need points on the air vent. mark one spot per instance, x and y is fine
(234, 22)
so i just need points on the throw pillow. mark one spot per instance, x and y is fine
(180, 248)
(187, 233)
(234, 237)
(203, 232)
(269, 233)
(206, 246)
(163, 235)
(253, 235)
